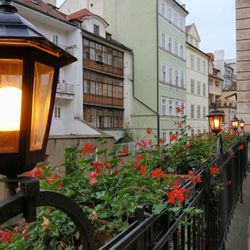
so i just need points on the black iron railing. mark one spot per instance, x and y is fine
(205, 230)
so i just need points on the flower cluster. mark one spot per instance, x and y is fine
(88, 148)
(176, 194)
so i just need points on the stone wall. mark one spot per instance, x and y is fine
(243, 60)
(57, 145)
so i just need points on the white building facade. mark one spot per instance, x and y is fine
(197, 83)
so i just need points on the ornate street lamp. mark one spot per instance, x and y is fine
(215, 119)
(235, 123)
(242, 124)
(29, 68)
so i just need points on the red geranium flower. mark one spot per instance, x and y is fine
(124, 151)
(214, 170)
(176, 194)
(149, 131)
(106, 164)
(157, 173)
(179, 125)
(162, 140)
(6, 236)
(142, 169)
(173, 137)
(92, 179)
(88, 148)
(54, 179)
(36, 172)
(241, 147)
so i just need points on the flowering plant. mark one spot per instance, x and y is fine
(108, 188)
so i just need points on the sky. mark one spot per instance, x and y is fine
(215, 22)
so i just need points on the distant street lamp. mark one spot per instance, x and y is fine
(215, 119)
(235, 123)
(29, 69)
(242, 125)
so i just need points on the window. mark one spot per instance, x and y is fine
(55, 39)
(198, 88)
(170, 14)
(182, 23)
(204, 113)
(176, 77)
(175, 18)
(170, 136)
(181, 51)
(163, 40)
(164, 136)
(163, 73)
(182, 80)
(198, 111)
(198, 62)
(96, 30)
(170, 107)
(163, 8)
(192, 61)
(176, 105)
(103, 117)
(204, 67)
(192, 132)
(192, 111)
(97, 85)
(163, 106)
(192, 86)
(176, 48)
(170, 75)
(102, 54)
(170, 44)
(204, 89)
(57, 112)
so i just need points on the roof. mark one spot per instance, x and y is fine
(43, 7)
(80, 15)
(197, 49)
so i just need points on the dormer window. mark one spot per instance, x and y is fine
(96, 30)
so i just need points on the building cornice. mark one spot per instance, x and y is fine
(196, 49)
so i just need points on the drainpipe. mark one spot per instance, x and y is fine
(157, 69)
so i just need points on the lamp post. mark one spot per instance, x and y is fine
(242, 125)
(235, 123)
(215, 119)
(29, 69)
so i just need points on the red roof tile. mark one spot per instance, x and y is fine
(81, 14)
(43, 7)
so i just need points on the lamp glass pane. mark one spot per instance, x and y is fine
(11, 72)
(215, 123)
(43, 80)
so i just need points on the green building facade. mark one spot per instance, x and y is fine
(155, 31)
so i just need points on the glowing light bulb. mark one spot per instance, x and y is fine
(216, 123)
(10, 108)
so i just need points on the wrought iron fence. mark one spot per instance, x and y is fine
(205, 230)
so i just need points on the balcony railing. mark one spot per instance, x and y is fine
(206, 230)
(231, 87)
(220, 104)
(65, 88)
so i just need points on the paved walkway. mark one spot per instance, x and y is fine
(238, 231)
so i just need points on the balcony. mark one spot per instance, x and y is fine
(102, 100)
(225, 104)
(229, 87)
(65, 91)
